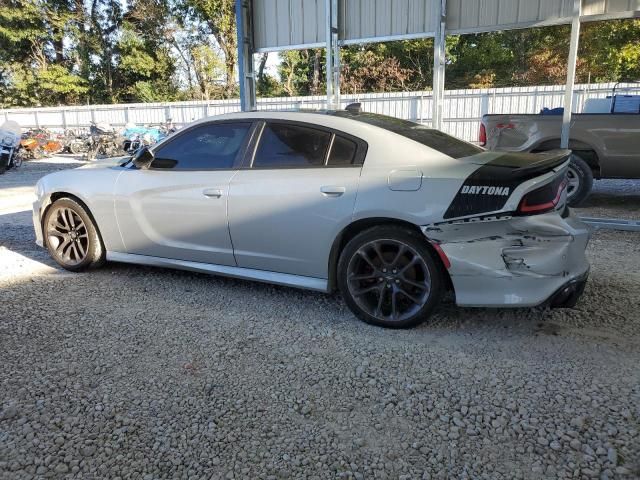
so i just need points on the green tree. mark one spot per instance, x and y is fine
(302, 72)
(220, 20)
(368, 70)
(34, 66)
(610, 51)
(103, 51)
(144, 66)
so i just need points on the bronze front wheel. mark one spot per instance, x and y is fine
(71, 236)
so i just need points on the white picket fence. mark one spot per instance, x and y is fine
(463, 109)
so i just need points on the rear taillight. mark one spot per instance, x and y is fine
(443, 256)
(544, 199)
(482, 138)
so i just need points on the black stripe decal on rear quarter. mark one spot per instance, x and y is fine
(489, 187)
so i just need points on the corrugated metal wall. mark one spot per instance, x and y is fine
(367, 19)
(465, 16)
(286, 23)
(281, 24)
(297, 23)
(488, 15)
(600, 7)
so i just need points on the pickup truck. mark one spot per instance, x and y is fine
(604, 144)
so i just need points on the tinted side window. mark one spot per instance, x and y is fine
(205, 147)
(291, 146)
(343, 152)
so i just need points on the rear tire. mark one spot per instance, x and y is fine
(72, 237)
(5, 163)
(38, 153)
(91, 153)
(388, 277)
(73, 148)
(580, 177)
(16, 160)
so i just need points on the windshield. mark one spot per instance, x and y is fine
(430, 137)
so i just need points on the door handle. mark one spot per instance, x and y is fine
(332, 191)
(212, 193)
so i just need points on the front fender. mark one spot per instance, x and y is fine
(92, 187)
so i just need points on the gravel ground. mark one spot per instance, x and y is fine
(133, 372)
(613, 199)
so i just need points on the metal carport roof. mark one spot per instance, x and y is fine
(273, 25)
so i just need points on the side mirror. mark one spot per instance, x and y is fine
(143, 158)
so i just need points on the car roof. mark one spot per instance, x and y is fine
(326, 118)
(370, 127)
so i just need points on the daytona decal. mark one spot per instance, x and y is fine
(489, 187)
(485, 190)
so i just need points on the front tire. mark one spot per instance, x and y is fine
(74, 148)
(71, 236)
(580, 181)
(389, 277)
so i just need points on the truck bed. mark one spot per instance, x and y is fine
(610, 143)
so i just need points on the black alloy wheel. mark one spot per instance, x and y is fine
(389, 278)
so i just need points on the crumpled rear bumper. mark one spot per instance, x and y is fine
(567, 296)
(515, 261)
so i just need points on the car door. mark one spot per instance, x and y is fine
(296, 194)
(177, 208)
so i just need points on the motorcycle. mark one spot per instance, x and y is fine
(103, 142)
(9, 146)
(39, 142)
(138, 137)
(76, 142)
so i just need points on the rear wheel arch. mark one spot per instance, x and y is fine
(355, 228)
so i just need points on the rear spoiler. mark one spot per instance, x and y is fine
(522, 166)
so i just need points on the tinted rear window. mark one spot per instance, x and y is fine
(430, 137)
(343, 152)
(290, 146)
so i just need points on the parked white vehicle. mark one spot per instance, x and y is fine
(10, 135)
(389, 212)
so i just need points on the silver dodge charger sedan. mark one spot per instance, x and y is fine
(390, 213)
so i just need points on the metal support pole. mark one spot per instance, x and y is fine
(335, 41)
(439, 44)
(246, 75)
(328, 53)
(332, 55)
(484, 104)
(571, 74)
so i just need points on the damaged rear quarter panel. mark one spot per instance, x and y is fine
(519, 252)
